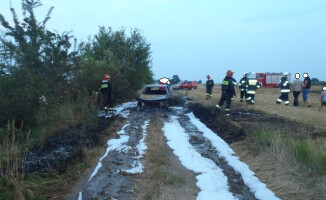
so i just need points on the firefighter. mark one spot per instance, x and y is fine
(242, 86)
(227, 92)
(209, 87)
(106, 92)
(285, 90)
(251, 85)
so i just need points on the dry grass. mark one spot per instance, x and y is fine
(164, 177)
(265, 100)
(282, 174)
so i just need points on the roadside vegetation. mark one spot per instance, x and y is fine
(296, 158)
(49, 83)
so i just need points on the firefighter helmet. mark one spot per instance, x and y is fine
(252, 75)
(229, 73)
(208, 76)
(285, 73)
(245, 74)
(107, 76)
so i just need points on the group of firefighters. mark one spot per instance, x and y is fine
(248, 86)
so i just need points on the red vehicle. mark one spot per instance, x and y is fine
(270, 79)
(189, 85)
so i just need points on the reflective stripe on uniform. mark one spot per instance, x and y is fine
(251, 92)
(279, 100)
(242, 89)
(248, 99)
(286, 102)
(285, 90)
(104, 86)
(218, 106)
(225, 83)
(252, 82)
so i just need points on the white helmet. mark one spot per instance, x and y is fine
(252, 75)
(285, 73)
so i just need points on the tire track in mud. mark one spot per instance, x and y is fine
(204, 147)
(237, 173)
(112, 178)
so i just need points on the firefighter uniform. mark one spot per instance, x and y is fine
(227, 92)
(251, 85)
(106, 91)
(242, 86)
(285, 90)
(209, 87)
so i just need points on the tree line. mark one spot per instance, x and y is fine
(36, 62)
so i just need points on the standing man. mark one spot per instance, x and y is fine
(106, 91)
(227, 92)
(251, 85)
(306, 89)
(296, 87)
(209, 87)
(323, 98)
(242, 86)
(285, 90)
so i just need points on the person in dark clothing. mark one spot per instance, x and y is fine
(285, 90)
(242, 86)
(296, 87)
(209, 87)
(106, 92)
(306, 89)
(227, 92)
(251, 85)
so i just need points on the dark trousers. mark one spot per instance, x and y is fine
(226, 96)
(107, 99)
(209, 90)
(284, 96)
(296, 98)
(243, 94)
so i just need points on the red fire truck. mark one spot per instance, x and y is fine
(270, 79)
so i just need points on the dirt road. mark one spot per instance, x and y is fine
(219, 174)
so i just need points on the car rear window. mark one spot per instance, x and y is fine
(154, 90)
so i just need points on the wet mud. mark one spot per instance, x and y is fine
(204, 147)
(113, 181)
(225, 128)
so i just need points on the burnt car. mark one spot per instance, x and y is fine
(154, 95)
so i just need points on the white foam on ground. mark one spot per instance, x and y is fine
(80, 197)
(113, 144)
(121, 109)
(259, 189)
(211, 180)
(141, 147)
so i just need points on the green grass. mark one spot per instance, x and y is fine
(309, 153)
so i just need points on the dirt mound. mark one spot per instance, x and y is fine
(59, 151)
(228, 130)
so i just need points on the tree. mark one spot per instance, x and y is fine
(199, 82)
(127, 58)
(35, 62)
(175, 79)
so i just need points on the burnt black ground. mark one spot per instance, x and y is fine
(61, 150)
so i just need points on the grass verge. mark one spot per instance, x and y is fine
(163, 177)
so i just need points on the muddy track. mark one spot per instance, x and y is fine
(112, 178)
(204, 147)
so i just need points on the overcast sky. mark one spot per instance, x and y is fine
(193, 38)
